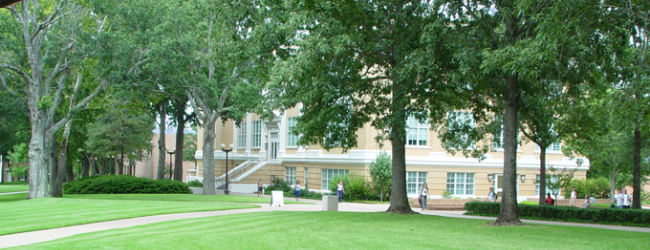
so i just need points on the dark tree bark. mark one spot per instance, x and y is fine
(162, 112)
(398, 200)
(508, 214)
(636, 172)
(542, 175)
(181, 119)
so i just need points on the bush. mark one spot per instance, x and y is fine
(599, 188)
(195, 183)
(562, 213)
(124, 184)
(280, 185)
(356, 188)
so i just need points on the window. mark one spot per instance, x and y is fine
(241, 135)
(461, 124)
(497, 140)
(418, 132)
(257, 134)
(555, 147)
(460, 183)
(414, 181)
(550, 178)
(291, 138)
(329, 174)
(290, 175)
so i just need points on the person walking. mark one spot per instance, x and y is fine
(296, 190)
(424, 192)
(572, 202)
(626, 199)
(340, 190)
(619, 198)
(260, 187)
(492, 196)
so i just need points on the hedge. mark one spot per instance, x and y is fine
(636, 217)
(124, 184)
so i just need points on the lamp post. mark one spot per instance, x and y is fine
(227, 150)
(170, 152)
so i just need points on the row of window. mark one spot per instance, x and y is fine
(418, 133)
(457, 183)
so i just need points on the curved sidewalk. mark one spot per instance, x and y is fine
(26, 238)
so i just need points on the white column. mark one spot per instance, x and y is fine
(249, 133)
(235, 130)
(264, 134)
(301, 149)
(283, 135)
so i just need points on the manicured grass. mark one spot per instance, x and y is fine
(346, 230)
(180, 197)
(17, 186)
(37, 214)
(13, 197)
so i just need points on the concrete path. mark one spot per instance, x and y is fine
(19, 192)
(26, 238)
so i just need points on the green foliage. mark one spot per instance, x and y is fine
(195, 183)
(356, 187)
(189, 147)
(446, 194)
(598, 188)
(19, 154)
(124, 184)
(381, 173)
(563, 180)
(635, 217)
(281, 185)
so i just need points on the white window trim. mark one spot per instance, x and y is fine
(464, 183)
(290, 170)
(417, 128)
(289, 130)
(241, 132)
(323, 175)
(549, 150)
(253, 134)
(418, 185)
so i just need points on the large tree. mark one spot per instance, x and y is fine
(43, 60)
(354, 63)
(227, 49)
(506, 48)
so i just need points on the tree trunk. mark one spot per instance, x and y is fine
(208, 155)
(612, 186)
(542, 175)
(161, 141)
(636, 172)
(85, 167)
(180, 132)
(398, 199)
(508, 214)
(38, 180)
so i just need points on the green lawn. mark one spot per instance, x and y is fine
(37, 214)
(346, 230)
(180, 197)
(9, 187)
(13, 197)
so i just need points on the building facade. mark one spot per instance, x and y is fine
(267, 149)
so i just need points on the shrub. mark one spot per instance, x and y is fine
(356, 187)
(280, 185)
(562, 213)
(124, 184)
(446, 194)
(599, 188)
(195, 183)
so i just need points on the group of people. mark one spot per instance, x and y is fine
(296, 189)
(623, 199)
